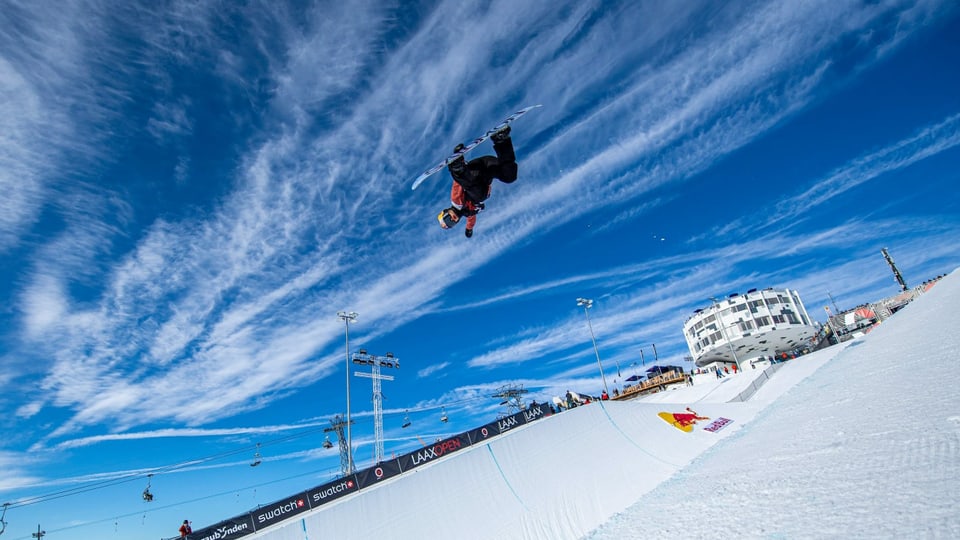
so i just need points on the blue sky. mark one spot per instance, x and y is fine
(193, 191)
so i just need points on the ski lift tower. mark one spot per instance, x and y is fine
(511, 395)
(336, 425)
(376, 362)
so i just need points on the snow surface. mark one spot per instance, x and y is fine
(859, 440)
(868, 446)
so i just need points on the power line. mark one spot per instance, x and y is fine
(130, 477)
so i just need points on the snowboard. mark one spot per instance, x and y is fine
(473, 144)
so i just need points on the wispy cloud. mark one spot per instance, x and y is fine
(430, 370)
(185, 432)
(236, 296)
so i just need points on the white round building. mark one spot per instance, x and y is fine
(747, 326)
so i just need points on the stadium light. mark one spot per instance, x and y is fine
(586, 304)
(348, 317)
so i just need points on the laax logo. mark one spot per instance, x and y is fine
(438, 450)
(225, 531)
(378, 472)
(285, 508)
(335, 489)
(507, 423)
(532, 414)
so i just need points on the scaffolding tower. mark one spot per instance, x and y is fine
(376, 362)
(511, 395)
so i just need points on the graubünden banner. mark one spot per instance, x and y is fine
(227, 529)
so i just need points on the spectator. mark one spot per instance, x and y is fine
(185, 529)
(734, 369)
(726, 370)
(719, 373)
(604, 396)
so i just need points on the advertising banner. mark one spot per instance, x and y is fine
(481, 434)
(433, 451)
(536, 413)
(718, 424)
(332, 491)
(375, 474)
(280, 510)
(507, 423)
(227, 529)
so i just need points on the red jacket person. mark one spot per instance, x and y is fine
(472, 180)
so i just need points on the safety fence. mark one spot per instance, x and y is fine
(757, 383)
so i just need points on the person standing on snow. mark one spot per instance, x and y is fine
(472, 180)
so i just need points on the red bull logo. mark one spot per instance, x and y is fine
(684, 421)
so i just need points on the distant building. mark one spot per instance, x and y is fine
(861, 319)
(747, 326)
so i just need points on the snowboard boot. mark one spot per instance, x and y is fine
(501, 136)
(468, 233)
(458, 166)
(503, 146)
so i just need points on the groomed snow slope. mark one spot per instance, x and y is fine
(866, 446)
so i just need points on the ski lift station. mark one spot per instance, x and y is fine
(744, 327)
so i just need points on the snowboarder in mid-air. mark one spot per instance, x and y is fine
(472, 180)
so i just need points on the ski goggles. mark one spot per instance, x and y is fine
(447, 219)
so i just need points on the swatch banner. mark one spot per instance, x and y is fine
(437, 450)
(375, 474)
(332, 490)
(280, 510)
(227, 529)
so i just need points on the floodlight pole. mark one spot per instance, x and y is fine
(375, 363)
(347, 318)
(586, 304)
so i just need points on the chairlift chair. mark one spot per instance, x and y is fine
(147, 496)
(406, 421)
(443, 414)
(256, 457)
(327, 443)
